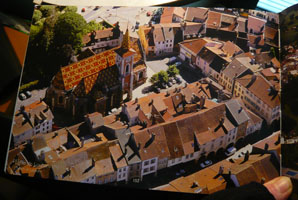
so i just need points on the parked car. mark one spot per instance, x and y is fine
(149, 14)
(169, 84)
(137, 25)
(28, 94)
(96, 8)
(83, 10)
(230, 151)
(172, 59)
(178, 63)
(157, 89)
(22, 96)
(178, 80)
(206, 163)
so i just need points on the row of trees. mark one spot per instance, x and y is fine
(55, 36)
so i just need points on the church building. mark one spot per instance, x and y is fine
(96, 83)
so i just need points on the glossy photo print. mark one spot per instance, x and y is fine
(163, 98)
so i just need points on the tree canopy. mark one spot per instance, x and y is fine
(69, 29)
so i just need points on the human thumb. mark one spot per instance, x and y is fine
(280, 187)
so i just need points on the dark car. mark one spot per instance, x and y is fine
(28, 94)
(178, 80)
(22, 96)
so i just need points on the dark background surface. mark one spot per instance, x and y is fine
(16, 187)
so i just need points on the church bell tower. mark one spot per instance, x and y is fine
(124, 61)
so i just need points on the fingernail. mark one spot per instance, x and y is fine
(283, 185)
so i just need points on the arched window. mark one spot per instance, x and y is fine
(127, 69)
(141, 75)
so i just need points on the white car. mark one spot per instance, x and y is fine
(230, 151)
(206, 163)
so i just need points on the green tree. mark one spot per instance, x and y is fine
(92, 26)
(36, 16)
(172, 71)
(47, 10)
(70, 9)
(154, 79)
(163, 76)
(69, 30)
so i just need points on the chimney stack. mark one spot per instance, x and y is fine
(202, 102)
(138, 107)
(151, 102)
(136, 100)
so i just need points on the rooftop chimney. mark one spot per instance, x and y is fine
(240, 109)
(194, 184)
(278, 140)
(185, 85)
(151, 102)
(202, 102)
(138, 107)
(136, 100)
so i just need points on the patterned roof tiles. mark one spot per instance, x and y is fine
(74, 73)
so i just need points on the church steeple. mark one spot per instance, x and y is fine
(125, 41)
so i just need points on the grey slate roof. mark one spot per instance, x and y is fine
(237, 111)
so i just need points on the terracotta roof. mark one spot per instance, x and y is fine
(173, 140)
(270, 32)
(100, 34)
(187, 135)
(35, 113)
(116, 154)
(194, 45)
(202, 182)
(111, 122)
(231, 48)
(160, 141)
(213, 20)
(234, 69)
(167, 15)
(158, 35)
(256, 168)
(192, 28)
(44, 170)
(95, 119)
(275, 62)
(75, 72)
(147, 144)
(168, 32)
(271, 141)
(179, 11)
(260, 88)
(256, 24)
(38, 142)
(92, 149)
(256, 39)
(80, 171)
(193, 13)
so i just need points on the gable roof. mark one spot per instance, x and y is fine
(237, 111)
(213, 20)
(260, 88)
(256, 24)
(193, 13)
(194, 45)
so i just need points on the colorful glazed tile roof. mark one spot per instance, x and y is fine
(74, 73)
